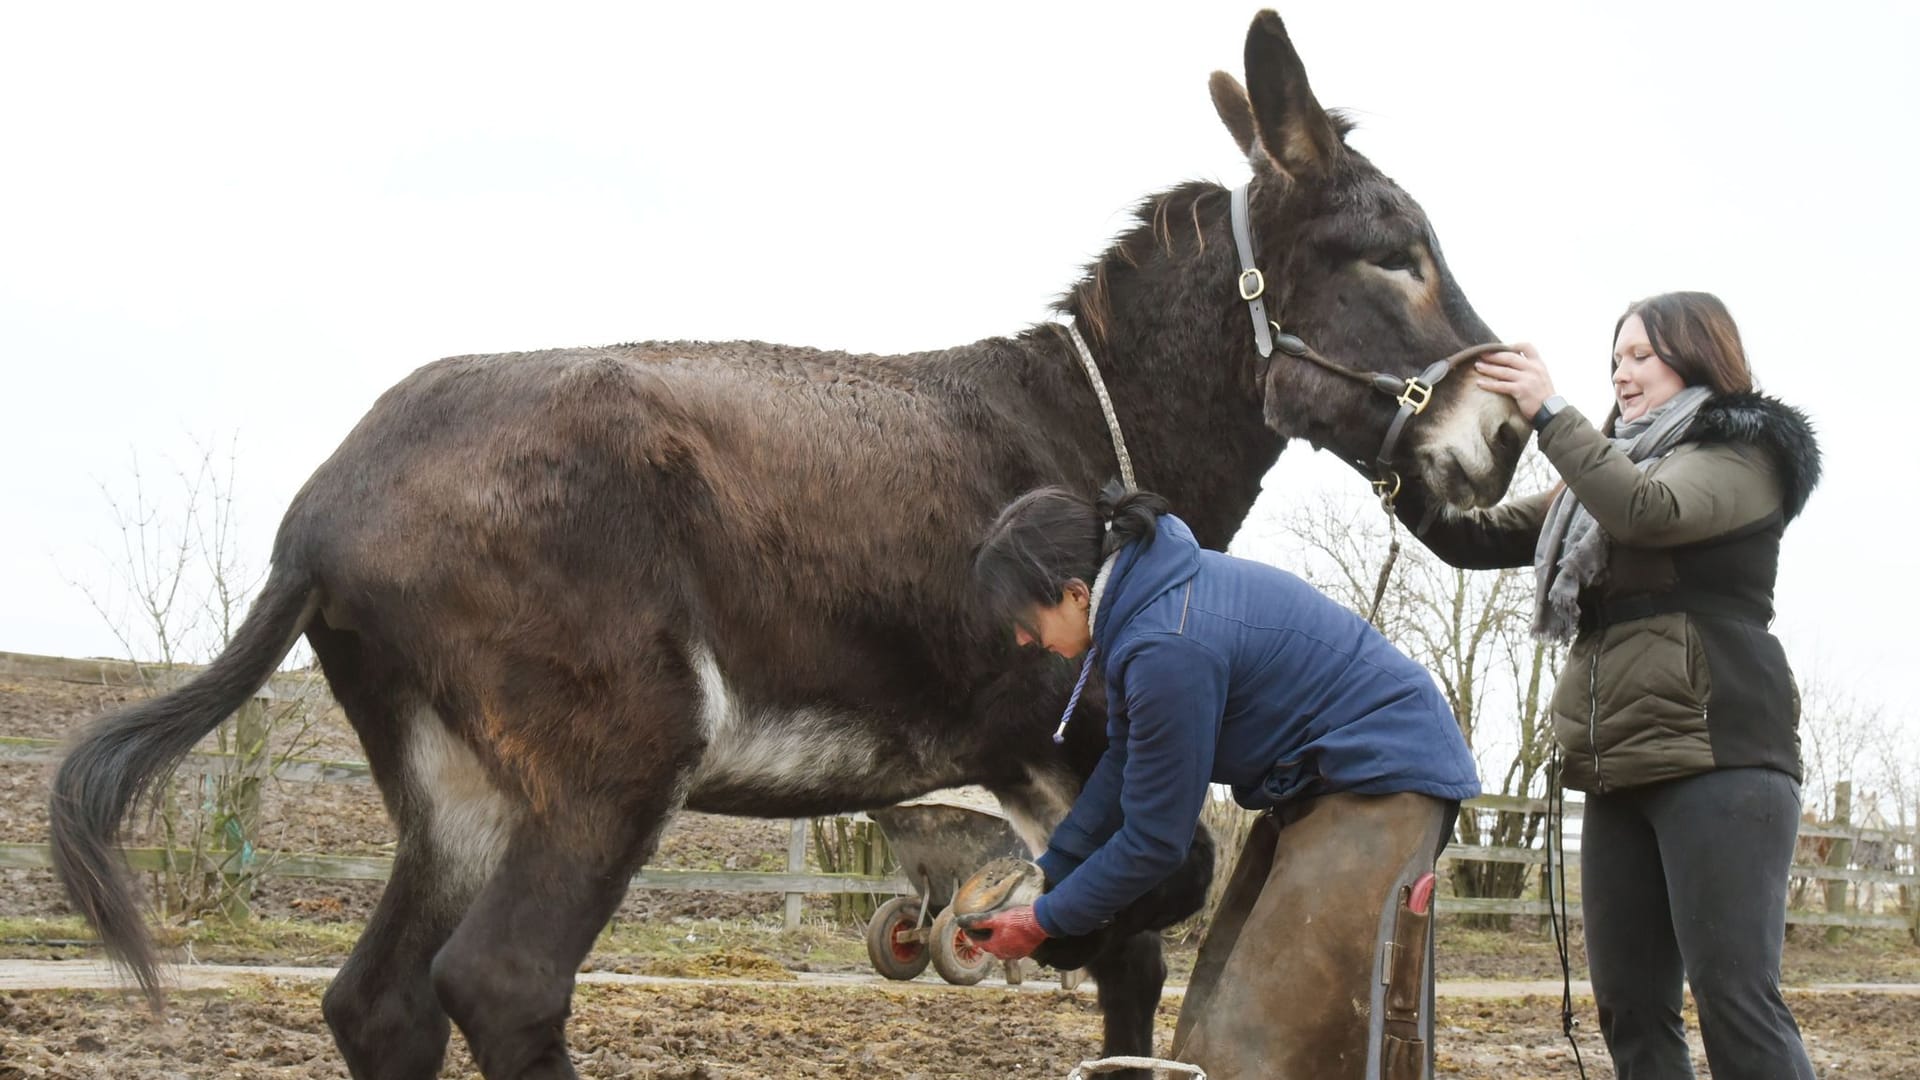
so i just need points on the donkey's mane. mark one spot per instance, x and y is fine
(1160, 225)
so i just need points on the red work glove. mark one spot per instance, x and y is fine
(1009, 935)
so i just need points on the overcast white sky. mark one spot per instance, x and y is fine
(246, 221)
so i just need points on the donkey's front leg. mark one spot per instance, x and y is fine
(1130, 976)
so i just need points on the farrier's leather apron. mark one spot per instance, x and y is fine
(1316, 964)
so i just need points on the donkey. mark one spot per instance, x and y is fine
(561, 595)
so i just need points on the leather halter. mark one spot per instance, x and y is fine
(1412, 393)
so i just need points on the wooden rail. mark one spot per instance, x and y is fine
(377, 867)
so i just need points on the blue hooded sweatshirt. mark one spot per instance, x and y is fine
(1228, 671)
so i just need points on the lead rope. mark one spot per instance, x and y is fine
(1114, 1064)
(1073, 700)
(1386, 568)
(1557, 876)
(1086, 666)
(1126, 477)
(1106, 403)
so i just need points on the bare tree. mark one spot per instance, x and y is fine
(1839, 736)
(173, 595)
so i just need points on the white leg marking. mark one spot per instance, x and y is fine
(717, 708)
(773, 749)
(468, 820)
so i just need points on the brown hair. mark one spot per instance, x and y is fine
(1694, 334)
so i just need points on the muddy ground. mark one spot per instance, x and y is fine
(272, 1028)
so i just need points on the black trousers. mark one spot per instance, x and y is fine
(1689, 878)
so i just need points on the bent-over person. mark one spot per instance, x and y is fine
(1220, 670)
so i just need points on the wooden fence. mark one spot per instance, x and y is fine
(796, 882)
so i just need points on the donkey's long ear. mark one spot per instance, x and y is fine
(1230, 101)
(1291, 124)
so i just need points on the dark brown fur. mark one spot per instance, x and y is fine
(539, 551)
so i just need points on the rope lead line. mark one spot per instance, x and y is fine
(1106, 403)
(1557, 876)
(1386, 570)
(1113, 1064)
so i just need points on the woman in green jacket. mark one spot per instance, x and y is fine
(1676, 712)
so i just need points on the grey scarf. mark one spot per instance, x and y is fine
(1573, 549)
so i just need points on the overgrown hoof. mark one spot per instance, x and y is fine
(999, 885)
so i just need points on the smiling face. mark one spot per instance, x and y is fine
(1641, 380)
(1060, 628)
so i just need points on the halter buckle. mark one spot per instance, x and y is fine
(1253, 284)
(1415, 397)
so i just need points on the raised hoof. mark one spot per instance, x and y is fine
(999, 885)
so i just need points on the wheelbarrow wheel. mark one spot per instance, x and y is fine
(955, 956)
(895, 954)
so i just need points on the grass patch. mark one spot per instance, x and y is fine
(33, 937)
(212, 940)
(725, 964)
(740, 948)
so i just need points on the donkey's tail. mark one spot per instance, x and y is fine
(125, 753)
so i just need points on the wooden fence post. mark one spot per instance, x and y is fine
(1910, 894)
(796, 864)
(1840, 855)
(241, 831)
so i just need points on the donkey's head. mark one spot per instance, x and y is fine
(1355, 271)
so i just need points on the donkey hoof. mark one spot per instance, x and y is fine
(995, 887)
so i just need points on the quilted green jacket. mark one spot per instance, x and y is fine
(1673, 671)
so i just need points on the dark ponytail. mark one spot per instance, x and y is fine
(1050, 536)
(1126, 515)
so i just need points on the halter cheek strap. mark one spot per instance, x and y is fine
(1253, 284)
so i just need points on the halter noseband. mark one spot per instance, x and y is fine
(1412, 393)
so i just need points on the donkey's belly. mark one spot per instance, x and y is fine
(765, 760)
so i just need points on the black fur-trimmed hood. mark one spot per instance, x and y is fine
(1783, 431)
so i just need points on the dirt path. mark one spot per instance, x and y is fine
(99, 975)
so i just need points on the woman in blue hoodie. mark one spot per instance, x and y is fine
(1224, 671)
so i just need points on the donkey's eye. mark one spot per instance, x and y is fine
(1395, 261)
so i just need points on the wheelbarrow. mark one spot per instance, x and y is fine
(940, 841)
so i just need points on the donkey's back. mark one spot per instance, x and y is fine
(662, 472)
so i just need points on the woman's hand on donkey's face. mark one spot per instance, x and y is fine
(1521, 375)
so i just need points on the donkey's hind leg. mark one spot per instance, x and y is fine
(604, 773)
(507, 974)
(381, 1007)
